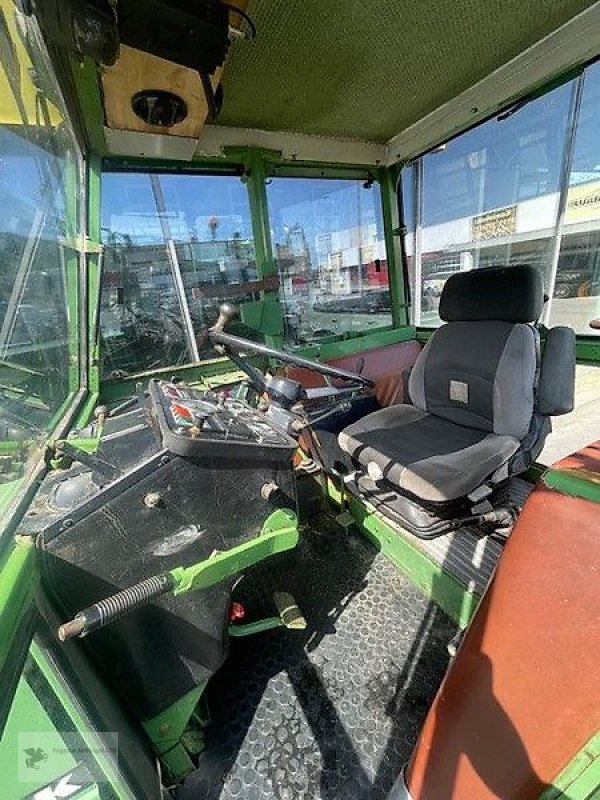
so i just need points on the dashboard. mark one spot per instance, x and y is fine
(194, 423)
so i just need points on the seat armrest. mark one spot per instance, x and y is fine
(556, 387)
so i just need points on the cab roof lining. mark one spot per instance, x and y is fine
(368, 71)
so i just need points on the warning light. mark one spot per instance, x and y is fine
(236, 612)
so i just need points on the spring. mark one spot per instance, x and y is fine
(111, 608)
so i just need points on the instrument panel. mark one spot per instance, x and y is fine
(194, 423)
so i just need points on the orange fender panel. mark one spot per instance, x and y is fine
(521, 697)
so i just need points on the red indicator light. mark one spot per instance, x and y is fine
(236, 612)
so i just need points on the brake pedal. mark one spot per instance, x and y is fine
(289, 612)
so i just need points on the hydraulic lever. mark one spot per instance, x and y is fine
(279, 533)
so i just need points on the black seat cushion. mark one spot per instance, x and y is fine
(427, 456)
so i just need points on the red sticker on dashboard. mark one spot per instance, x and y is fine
(182, 414)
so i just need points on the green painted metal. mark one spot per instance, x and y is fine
(71, 257)
(30, 716)
(17, 616)
(577, 482)
(235, 160)
(87, 410)
(349, 345)
(451, 596)
(388, 180)
(87, 86)
(82, 724)
(304, 169)
(256, 164)
(90, 444)
(166, 732)
(264, 316)
(94, 267)
(225, 164)
(278, 534)
(588, 349)
(260, 626)
(580, 779)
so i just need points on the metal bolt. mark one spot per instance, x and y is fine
(153, 500)
(267, 490)
(101, 413)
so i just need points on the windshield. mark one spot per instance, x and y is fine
(38, 161)
(330, 252)
(176, 247)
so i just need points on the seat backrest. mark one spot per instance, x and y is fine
(480, 370)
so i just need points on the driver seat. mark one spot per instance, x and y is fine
(481, 398)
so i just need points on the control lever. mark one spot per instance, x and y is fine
(227, 312)
(298, 425)
(279, 533)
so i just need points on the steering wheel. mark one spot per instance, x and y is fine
(235, 346)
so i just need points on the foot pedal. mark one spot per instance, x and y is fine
(289, 612)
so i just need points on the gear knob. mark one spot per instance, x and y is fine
(227, 311)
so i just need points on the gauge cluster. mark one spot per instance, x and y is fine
(193, 422)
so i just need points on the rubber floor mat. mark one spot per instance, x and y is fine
(334, 711)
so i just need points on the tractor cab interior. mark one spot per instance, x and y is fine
(299, 319)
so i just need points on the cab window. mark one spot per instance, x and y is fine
(176, 246)
(577, 283)
(39, 171)
(497, 195)
(329, 247)
(489, 197)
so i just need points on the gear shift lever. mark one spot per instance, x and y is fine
(227, 311)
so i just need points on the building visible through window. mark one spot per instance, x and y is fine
(496, 195)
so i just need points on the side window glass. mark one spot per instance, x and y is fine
(490, 197)
(576, 296)
(39, 174)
